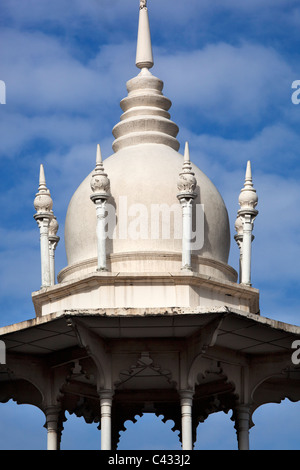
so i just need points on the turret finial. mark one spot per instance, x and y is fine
(187, 181)
(100, 183)
(248, 198)
(43, 202)
(244, 225)
(43, 205)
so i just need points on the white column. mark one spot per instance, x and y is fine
(186, 185)
(101, 234)
(43, 223)
(186, 403)
(52, 263)
(100, 186)
(239, 241)
(187, 221)
(242, 426)
(106, 405)
(246, 215)
(52, 416)
(246, 249)
(53, 241)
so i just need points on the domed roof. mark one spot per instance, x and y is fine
(144, 212)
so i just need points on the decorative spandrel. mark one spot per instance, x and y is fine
(144, 373)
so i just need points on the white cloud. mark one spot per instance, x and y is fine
(42, 75)
(228, 84)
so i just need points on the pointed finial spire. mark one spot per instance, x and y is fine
(187, 181)
(43, 202)
(100, 183)
(42, 179)
(248, 177)
(244, 225)
(144, 56)
(99, 162)
(248, 198)
(186, 156)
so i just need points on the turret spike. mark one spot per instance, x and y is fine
(248, 176)
(42, 179)
(99, 155)
(187, 152)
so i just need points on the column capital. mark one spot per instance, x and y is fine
(186, 394)
(240, 413)
(43, 219)
(241, 416)
(105, 394)
(52, 414)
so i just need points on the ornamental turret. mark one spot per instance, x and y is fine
(43, 204)
(186, 185)
(246, 215)
(100, 186)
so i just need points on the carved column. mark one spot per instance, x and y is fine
(101, 235)
(187, 220)
(247, 213)
(43, 224)
(105, 408)
(52, 425)
(100, 185)
(53, 241)
(242, 426)
(186, 403)
(43, 205)
(186, 185)
(239, 240)
(247, 242)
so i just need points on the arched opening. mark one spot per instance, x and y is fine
(22, 427)
(217, 432)
(276, 427)
(149, 432)
(79, 435)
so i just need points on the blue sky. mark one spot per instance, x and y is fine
(228, 67)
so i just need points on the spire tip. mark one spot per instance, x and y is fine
(99, 155)
(187, 152)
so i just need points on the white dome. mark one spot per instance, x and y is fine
(144, 174)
